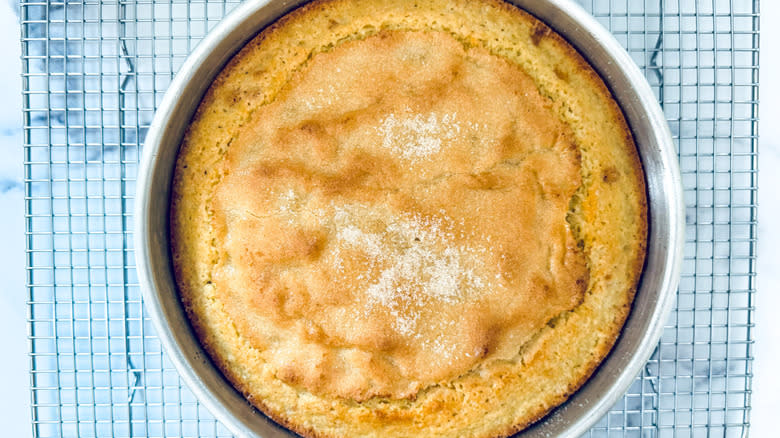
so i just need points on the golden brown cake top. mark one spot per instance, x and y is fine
(397, 217)
(366, 172)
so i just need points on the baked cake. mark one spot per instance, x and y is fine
(400, 218)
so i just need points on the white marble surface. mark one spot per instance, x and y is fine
(15, 396)
(766, 382)
(14, 389)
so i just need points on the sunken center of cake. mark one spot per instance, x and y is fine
(396, 217)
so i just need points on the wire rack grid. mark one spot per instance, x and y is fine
(93, 73)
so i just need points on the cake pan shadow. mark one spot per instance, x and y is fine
(658, 284)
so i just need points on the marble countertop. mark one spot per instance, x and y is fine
(15, 400)
(14, 403)
(766, 381)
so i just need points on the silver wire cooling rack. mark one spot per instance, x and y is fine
(93, 73)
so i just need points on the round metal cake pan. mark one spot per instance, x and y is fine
(658, 284)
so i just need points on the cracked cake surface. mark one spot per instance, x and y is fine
(396, 218)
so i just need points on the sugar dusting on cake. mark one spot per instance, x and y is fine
(412, 261)
(415, 136)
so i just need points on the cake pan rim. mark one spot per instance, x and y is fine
(657, 286)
